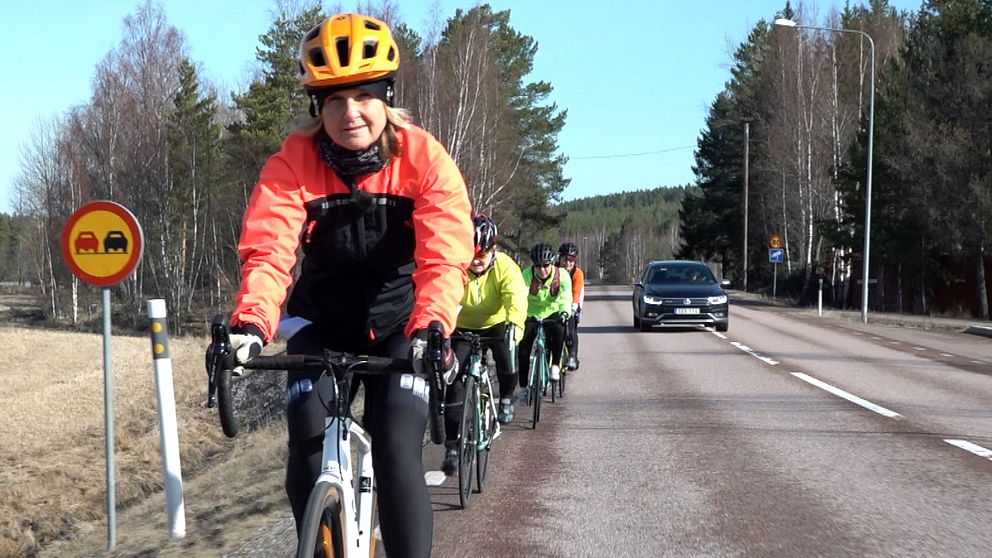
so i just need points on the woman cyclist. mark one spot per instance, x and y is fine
(568, 253)
(383, 218)
(549, 300)
(495, 299)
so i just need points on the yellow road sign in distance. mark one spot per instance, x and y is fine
(102, 243)
(775, 241)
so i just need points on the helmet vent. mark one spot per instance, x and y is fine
(342, 47)
(369, 48)
(391, 55)
(312, 34)
(372, 25)
(317, 57)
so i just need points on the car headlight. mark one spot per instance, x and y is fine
(651, 300)
(722, 299)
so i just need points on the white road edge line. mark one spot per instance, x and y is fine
(718, 334)
(845, 395)
(748, 350)
(973, 448)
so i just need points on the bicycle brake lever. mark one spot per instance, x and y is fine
(217, 355)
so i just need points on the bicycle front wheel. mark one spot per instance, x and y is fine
(320, 534)
(468, 440)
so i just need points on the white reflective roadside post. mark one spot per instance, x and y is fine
(175, 507)
(102, 244)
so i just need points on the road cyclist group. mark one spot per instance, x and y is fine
(360, 247)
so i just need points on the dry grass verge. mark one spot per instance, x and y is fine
(52, 471)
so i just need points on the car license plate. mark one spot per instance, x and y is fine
(687, 310)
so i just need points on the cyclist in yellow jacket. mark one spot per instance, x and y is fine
(495, 301)
(549, 302)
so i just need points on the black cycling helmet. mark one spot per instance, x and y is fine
(542, 254)
(568, 249)
(485, 233)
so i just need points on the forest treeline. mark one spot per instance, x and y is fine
(158, 138)
(799, 100)
(162, 140)
(618, 233)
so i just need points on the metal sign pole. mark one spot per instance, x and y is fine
(775, 282)
(108, 419)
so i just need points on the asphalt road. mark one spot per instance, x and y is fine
(787, 436)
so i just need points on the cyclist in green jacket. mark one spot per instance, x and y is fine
(494, 301)
(549, 302)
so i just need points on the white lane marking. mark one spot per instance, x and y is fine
(973, 448)
(845, 395)
(749, 351)
(876, 338)
(976, 362)
(946, 354)
(856, 333)
(434, 478)
(718, 334)
(895, 342)
(919, 348)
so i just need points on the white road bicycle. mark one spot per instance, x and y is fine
(341, 514)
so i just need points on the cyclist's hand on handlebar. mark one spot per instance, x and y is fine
(246, 344)
(418, 352)
(563, 317)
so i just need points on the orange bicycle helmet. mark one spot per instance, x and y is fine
(347, 49)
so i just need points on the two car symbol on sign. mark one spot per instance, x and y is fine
(87, 242)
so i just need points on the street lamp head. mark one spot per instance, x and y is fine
(782, 22)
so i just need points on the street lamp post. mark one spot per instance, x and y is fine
(871, 137)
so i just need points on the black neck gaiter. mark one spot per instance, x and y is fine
(347, 163)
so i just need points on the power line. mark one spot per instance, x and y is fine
(632, 154)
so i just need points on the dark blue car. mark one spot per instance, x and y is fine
(680, 293)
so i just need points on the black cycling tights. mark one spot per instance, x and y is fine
(395, 417)
(455, 394)
(554, 332)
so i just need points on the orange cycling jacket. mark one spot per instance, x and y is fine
(578, 285)
(395, 259)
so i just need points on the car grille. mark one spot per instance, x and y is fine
(681, 302)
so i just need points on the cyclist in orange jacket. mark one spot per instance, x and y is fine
(568, 253)
(383, 220)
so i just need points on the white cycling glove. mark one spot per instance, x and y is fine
(246, 344)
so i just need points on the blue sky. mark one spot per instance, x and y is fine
(635, 78)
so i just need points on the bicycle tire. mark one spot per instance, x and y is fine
(320, 533)
(538, 387)
(225, 403)
(468, 441)
(561, 385)
(487, 420)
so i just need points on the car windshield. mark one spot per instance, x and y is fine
(680, 275)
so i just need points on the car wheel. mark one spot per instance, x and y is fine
(723, 327)
(637, 321)
(645, 325)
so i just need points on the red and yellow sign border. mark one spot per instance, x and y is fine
(132, 225)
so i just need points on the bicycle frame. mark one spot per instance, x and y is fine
(479, 369)
(355, 499)
(541, 370)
